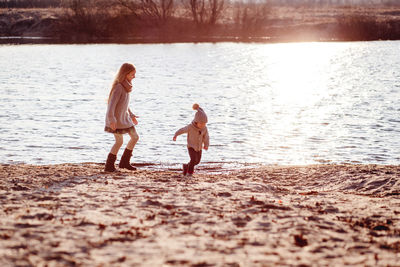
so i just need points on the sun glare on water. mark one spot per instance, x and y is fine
(295, 93)
(298, 71)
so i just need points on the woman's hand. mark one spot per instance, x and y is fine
(134, 120)
(206, 147)
(174, 138)
(113, 126)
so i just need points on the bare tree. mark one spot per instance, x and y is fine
(86, 17)
(216, 7)
(252, 17)
(132, 6)
(159, 11)
(206, 12)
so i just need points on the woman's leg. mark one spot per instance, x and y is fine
(126, 157)
(119, 140)
(112, 156)
(134, 139)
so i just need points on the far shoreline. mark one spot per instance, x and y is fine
(39, 40)
(278, 24)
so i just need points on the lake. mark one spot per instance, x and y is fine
(285, 104)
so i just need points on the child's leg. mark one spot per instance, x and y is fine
(134, 139)
(192, 154)
(119, 140)
(195, 157)
(198, 157)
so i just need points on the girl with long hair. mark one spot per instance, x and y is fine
(119, 118)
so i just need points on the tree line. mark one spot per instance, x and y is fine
(60, 3)
(175, 20)
(166, 19)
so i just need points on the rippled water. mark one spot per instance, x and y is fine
(296, 103)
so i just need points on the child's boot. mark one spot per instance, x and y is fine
(110, 167)
(190, 170)
(125, 159)
(185, 169)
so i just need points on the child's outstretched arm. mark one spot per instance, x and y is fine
(181, 131)
(206, 140)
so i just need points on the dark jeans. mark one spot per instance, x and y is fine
(195, 157)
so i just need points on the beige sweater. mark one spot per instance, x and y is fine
(118, 110)
(195, 136)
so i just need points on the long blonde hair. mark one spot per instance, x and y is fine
(121, 76)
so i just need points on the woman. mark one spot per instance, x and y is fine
(119, 118)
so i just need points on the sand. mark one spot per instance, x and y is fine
(317, 215)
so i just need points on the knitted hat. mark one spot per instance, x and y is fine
(200, 114)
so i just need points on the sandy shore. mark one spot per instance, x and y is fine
(318, 215)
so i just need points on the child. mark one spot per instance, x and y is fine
(120, 119)
(197, 134)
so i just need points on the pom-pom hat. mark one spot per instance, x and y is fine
(200, 115)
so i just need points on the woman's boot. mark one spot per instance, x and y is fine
(124, 162)
(110, 167)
